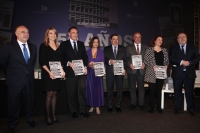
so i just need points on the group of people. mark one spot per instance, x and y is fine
(17, 59)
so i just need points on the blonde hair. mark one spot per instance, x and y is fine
(46, 38)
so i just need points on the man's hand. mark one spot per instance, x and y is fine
(71, 65)
(85, 69)
(185, 63)
(112, 62)
(63, 73)
(131, 66)
(165, 67)
(124, 72)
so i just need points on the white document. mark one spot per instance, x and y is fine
(99, 69)
(161, 72)
(56, 69)
(118, 67)
(137, 61)
(78, 67)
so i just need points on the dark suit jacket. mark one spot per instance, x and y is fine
(13, 63)
(131, 50)
(108, 53)
(68, 54)
(191, 55)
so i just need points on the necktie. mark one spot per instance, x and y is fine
(138, 51)
(26, 57)
(183, 53)
(182, 50)
(75, 49)
(115, 52)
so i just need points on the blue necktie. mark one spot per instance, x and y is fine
(115, 52)
(26, 57)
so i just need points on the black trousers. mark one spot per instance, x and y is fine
(139, 79)
(189, 92)
(155, 92)
(14, 100)
(118, 79)
(76, 93)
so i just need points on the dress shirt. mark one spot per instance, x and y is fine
(22, 47)
(113, 47)
(139, 46)
(72, 43)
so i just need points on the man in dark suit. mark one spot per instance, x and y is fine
(114, 52)
(17, 59)
(183, 58)
(136, 75)
(73, 49)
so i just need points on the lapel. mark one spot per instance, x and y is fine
(70, 48)
(19, 52)
(30, 51)
(110, 50)
(118, 52)
(78, 48)
(134, 49)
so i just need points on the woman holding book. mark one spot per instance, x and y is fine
(94, 85)
(155, 56)
(49, 52)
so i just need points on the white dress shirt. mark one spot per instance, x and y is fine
(22, 47)
(139, 46)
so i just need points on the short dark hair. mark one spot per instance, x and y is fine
(154, 39)
(73, 27)
(181, 33)
(92, 41)
(113, 35)
(20, 26)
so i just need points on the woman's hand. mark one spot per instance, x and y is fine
(91, 64)
(51, 75)
(154, 68)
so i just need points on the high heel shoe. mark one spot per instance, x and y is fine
(55, 120)
(49, 121)
(98, 111)
(91, 109)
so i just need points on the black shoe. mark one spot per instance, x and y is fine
(133, 107)
(11, 130)
(74, 115)
(177, 112)
(85, 114)
(192, 113)
(160, 111)
(32, 124)
(150, 111)
(110, 110)
(118, 110)
(142, 108)
(55, 120)
(49, 121)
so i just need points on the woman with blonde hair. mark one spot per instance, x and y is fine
(50, 51)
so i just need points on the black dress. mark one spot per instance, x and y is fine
(46, 54)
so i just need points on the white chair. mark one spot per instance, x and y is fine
(166, 90)
(197, 80)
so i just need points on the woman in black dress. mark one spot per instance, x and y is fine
(50, 51)
(155, 56)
